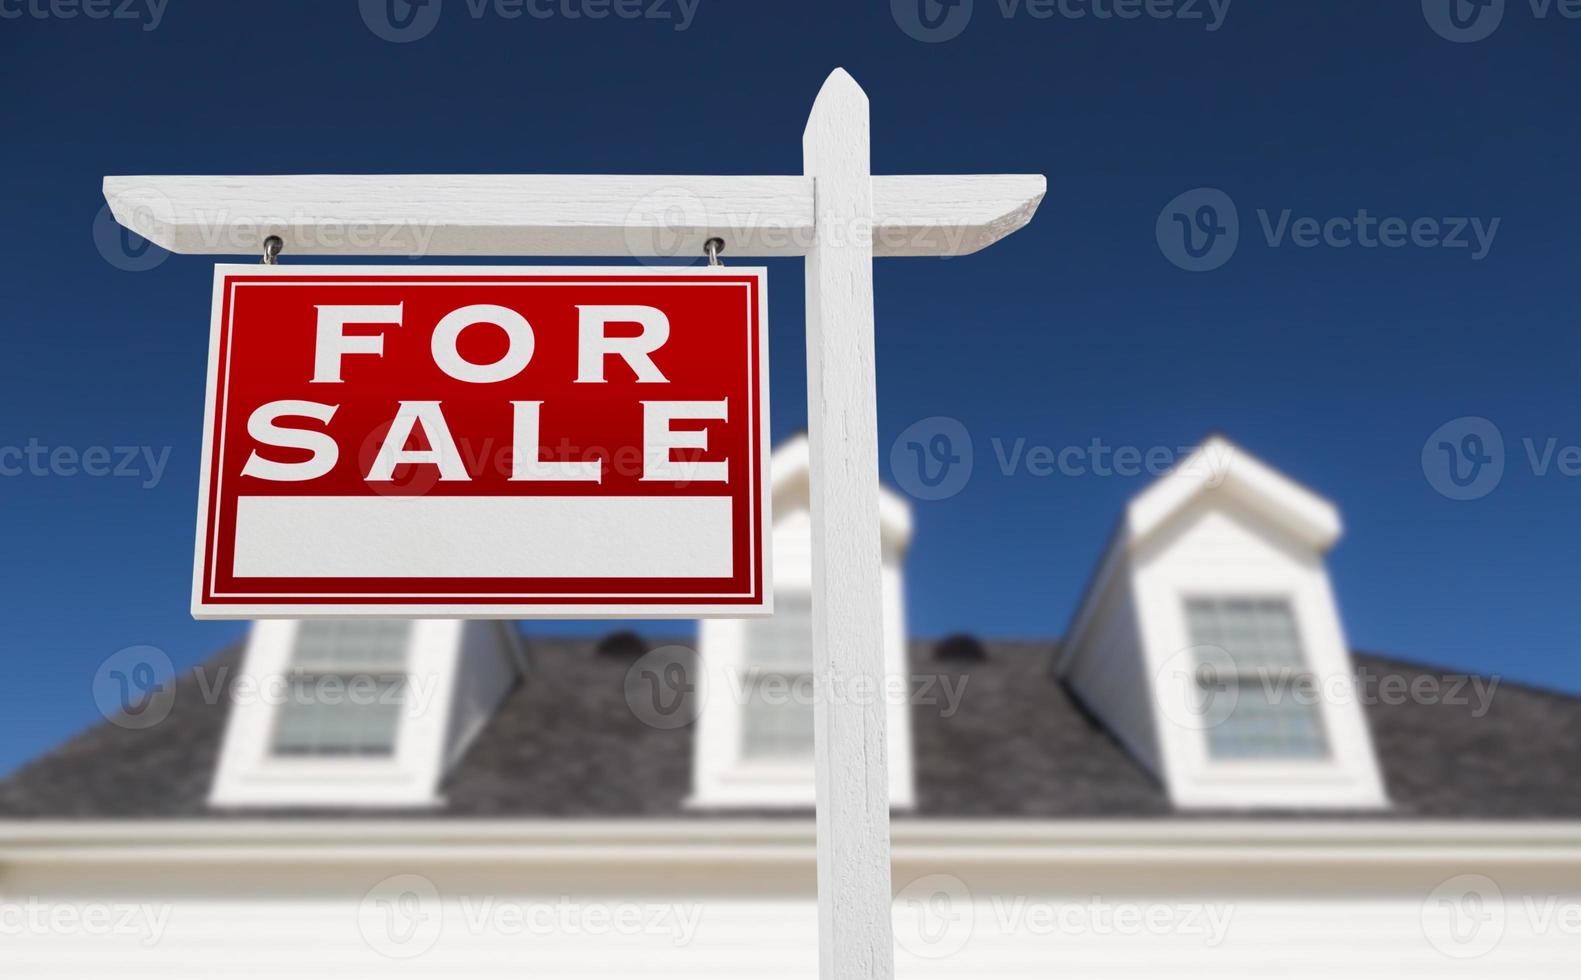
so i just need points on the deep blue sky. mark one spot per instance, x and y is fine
(1333, 364)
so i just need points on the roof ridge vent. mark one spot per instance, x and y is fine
(621, 643)
(960, 647)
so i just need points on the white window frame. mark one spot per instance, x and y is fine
(1258, 675)
(360, 674)
(793, 680)
(249, 774)
(1348, 778)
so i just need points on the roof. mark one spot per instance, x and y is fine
(1018, 745)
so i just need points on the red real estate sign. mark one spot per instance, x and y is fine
(484, 442)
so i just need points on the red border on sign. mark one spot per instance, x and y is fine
(744, 592)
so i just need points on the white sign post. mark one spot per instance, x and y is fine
(839, 217)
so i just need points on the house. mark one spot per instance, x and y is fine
(1201, 778)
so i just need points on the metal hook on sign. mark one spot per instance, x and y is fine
(712, 248)
(272, 246)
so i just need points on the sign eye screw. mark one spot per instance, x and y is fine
(272, 246)
(712, 248)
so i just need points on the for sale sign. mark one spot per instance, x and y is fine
(501, 441)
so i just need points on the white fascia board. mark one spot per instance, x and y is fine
(1221, 466)
(706, 842)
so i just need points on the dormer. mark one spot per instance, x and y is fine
(754, 735)
(1210, 644)
(359, 712)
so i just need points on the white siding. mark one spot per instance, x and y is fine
(1033, 919)
(485, 673)
(1106, 670)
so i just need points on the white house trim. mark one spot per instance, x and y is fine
(586, 843)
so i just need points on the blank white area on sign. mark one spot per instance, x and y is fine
(483, 537)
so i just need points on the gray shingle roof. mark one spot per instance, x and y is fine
(566, 744)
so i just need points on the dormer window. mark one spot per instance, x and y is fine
(754, 744)
(359, 713)
(1210, 643)
(1254, 680)
(345, 689)
(777, 685)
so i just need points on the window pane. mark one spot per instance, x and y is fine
(776, 721)
(334, 714)
(1265, 722)
(360, 644)
(784, 640)
(347, 688)
(777, 724)
(1252, 656)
